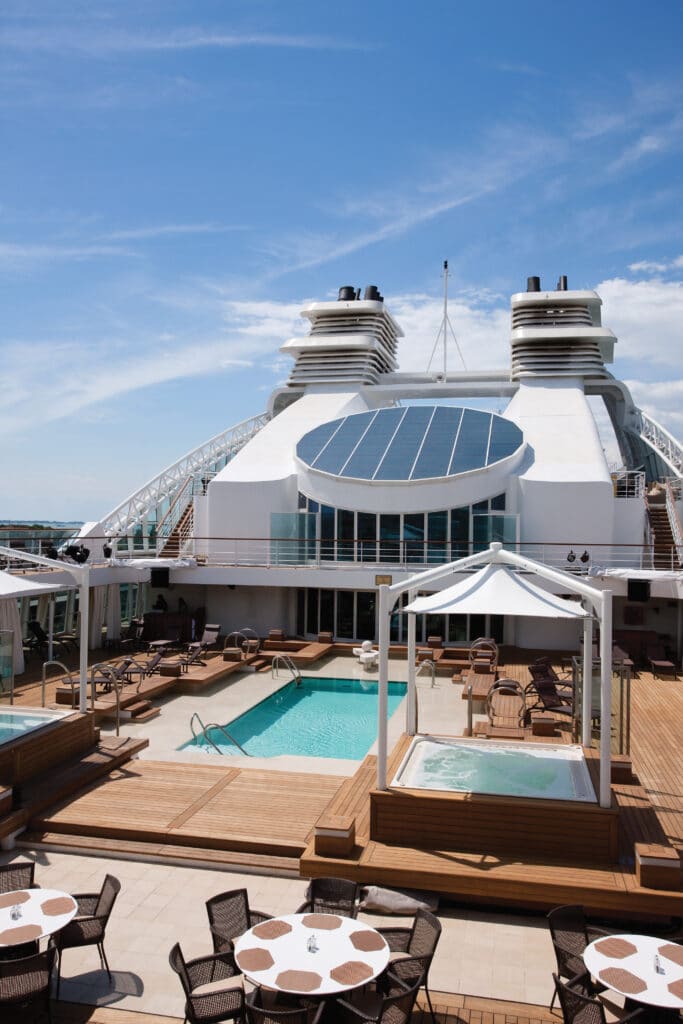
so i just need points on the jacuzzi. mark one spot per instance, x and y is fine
(545, 771)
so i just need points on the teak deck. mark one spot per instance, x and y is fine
(231, 815)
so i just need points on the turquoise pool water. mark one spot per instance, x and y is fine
(17, 723)
(318, 718)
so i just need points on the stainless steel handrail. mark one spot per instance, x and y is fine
(431, 664)
(288, 664)
(71, 679)
(204, 734)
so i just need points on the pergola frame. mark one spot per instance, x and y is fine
(81, 574)
(600, 602)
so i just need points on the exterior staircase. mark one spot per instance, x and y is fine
(663, 544)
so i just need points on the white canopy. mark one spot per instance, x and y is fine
(497, 590)
(17, 586)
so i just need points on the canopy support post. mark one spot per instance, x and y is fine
(587, 703)
(385, 606)
(411, 717)
(606, 700)
(84, 636)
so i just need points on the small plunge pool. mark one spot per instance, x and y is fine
(541, 770)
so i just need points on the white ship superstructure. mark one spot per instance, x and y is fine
(357, 471)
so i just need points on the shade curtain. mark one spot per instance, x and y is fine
(11, 620)
(113, 617)
(43, 609)
(98, 602)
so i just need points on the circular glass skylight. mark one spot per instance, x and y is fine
(414, 443)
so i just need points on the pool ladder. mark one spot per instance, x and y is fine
(203, 734)
(286, 662)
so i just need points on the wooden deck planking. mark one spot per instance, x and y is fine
(188, 804)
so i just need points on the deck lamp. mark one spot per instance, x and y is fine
(585, 557)
(571, 557)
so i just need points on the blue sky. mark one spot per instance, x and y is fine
(177, 179)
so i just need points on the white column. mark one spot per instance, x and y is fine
(606, 699)
(50, 628)
(587, 704)
(84, 610)
(382, 685)
(411, 696)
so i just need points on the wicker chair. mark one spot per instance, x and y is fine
(265, 1009)
(332, 896)
(17, 875)
(579, 1007)
(230, 916)
(89, 925)
(393, 1009)
(25, 987)
(419, 941)
(220, 1003)
(571, 934)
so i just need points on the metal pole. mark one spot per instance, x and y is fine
(410, 705)
(50, 628)
(587, 704)
(84, 611)
(385, 605)
(606, 699)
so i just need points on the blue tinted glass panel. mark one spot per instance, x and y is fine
(398, 461)
(373, 445)
(310, 444)
(435, 457)
(342, 444)
(506, 438)
(470, 451)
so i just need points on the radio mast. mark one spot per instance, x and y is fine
(445, 326)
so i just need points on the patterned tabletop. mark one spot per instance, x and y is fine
(648, 970)
(30, 914)
(311, 954)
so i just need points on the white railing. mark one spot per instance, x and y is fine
(673, 494)
(174, 514)
(258, 552)
(143, 504)
(628, 483)
(664, 443)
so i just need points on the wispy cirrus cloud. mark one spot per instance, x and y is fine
(165, 230)
(518, 69)
(106, 41)
(17, 256)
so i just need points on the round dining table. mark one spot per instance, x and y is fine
(28, 915)
(311, 954)
(643, 968)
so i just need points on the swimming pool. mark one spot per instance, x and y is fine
(542, 770)
(318, 718)
(16, 722)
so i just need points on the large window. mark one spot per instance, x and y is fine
(417, 538)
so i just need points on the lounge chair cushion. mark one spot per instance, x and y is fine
(395, 901)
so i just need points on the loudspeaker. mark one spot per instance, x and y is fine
(159, 578)
(638, 590)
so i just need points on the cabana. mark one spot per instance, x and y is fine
(500, 589)
(81, 577)
(13, 588)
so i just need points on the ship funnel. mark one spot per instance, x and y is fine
(561, 283)
(347, 293)
(533, 284)
(372, 293)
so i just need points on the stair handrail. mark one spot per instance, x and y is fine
(431, 664)
(168, 522)
(250, 639)
(240, 643)
(116, 684)
(204, 734)
(285, 660)
(674, 520)
(70, 678)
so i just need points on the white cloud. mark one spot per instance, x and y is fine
(162, 230)
(646, 145)
(648, 267)
(104, 42)
(647, 317)
(16, 256)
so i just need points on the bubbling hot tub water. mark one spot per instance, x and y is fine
(538, 770)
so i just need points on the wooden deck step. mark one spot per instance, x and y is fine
(74, 775)
(141, 711)
(192, 856)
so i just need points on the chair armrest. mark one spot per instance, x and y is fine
(305, 908)
(258, 916)
(87, 902)
(397, 939)
(214, 967)
(342, 1012)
